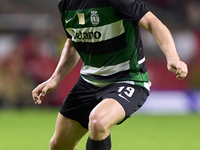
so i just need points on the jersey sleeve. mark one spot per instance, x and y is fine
(63, 24)
(130, 10)
(61, 4)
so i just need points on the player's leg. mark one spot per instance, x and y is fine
(120, 101)
(67, 134)
(102, 118)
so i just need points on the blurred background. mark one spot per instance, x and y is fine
(32, 37)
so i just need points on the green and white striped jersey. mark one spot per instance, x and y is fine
(107, 37)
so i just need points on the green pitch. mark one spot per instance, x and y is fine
(32, 130)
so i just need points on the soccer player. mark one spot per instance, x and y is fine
(113, 81)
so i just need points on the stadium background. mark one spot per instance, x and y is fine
(32, 37)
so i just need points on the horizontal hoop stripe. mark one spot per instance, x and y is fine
(147, 85)
(110, 78)
(141, 61)
(104, 47)
(98, 84)
(128, 82)
(105, 70)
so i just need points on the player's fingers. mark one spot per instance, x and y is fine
(38, 101)
(183, 71)
(41, 96)
(172, 69)
(184, 68)
(37, 91)
(178, 71)
(43, 92)
(181, 75)
(35, 95)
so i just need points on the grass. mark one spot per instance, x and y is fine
(32, 130)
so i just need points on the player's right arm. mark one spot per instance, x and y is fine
(68, 60)
(166, 43)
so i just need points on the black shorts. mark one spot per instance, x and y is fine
(85, 96)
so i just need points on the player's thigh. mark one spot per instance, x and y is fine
(109, 112)
(67, 132)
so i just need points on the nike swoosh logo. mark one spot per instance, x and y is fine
(120, 95)
(67, 21)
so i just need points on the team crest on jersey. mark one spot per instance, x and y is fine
(94, 18)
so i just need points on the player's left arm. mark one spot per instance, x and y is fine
(166, 43)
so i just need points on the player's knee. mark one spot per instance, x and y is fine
(53, 145)
(98, 123)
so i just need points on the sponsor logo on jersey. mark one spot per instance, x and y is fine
(86, 35)
(94, 17)
(97, 34)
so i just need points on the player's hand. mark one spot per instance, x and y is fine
(178, 67)
(42, 89)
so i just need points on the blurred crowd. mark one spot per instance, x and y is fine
(32, 37)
